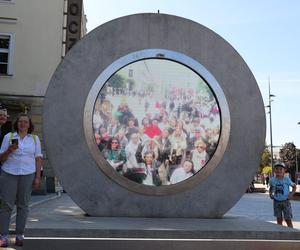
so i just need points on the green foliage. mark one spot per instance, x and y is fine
(117, 81)
(265, 159)
(288, 155)
(267, 170)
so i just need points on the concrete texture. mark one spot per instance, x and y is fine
(96, 193)
(161, 244)
(62, 217)
(60, 224)
(48, 210)
(163, 228)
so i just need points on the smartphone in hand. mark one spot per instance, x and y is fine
(15, 141)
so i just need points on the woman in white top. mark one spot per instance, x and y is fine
(182, 173)
(21, 156)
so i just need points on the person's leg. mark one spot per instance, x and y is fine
(22, 201)
(287, 212)
(289, 223)
(279, 221)
(8, 193)
(277, 212)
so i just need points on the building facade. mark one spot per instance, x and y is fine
(34, 37)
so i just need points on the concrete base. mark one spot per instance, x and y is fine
(150, 244)
(81, 226)
(60, 224)
(81, 232)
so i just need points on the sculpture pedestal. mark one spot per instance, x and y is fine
(60, 224)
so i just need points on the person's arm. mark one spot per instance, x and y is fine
(271, 191)
(38, 163)
(12, 148)
(6, 148)
(37, 177)
(293, 191)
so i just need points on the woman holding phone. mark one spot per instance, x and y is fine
(21, 157)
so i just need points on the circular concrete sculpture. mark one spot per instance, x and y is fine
(82, 101)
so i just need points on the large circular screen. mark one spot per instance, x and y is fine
(156, 122)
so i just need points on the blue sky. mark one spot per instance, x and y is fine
(265, 33)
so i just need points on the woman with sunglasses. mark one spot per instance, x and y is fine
(199, 155)
(115, 155)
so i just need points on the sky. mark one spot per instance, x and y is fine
(265, 33)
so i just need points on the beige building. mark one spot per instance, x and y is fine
(34, 37)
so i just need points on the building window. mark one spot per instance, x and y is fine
(6, 54)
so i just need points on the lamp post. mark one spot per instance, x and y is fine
(270, 113)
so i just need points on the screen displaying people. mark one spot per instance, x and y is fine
(156, 122)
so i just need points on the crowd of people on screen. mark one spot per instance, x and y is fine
(173, 140)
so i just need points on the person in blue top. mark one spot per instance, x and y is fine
(280, 194)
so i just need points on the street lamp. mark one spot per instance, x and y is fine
(270, 113)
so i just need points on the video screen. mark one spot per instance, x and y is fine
(156, 122)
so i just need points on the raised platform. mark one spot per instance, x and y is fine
(60, 224)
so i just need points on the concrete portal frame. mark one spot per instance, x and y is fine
(68, 106)
(162, 55)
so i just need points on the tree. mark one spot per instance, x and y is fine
(267, 170)
(117, 81)
(265, 159)
(288, 155)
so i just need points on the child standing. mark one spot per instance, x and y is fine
(280, 192)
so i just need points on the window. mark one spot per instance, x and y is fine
(5, 54)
